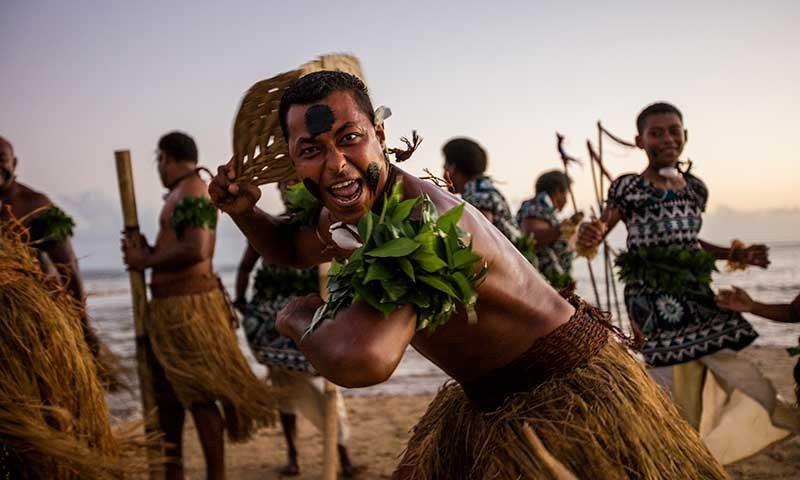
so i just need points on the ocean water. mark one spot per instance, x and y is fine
(109, 305)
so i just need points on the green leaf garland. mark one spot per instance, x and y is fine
(303, 207)
(669, 269)
(51, 225)
(424, 262)
(194, 212)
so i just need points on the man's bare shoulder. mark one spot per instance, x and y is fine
(414, 187)
(27, 200)
(193, 187)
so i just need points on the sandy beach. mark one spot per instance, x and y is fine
(381, 425)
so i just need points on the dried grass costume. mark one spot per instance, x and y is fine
(198, 360)
(50, 225)
(54, 422)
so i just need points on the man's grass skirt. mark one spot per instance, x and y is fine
(600, 417)
(191, 334)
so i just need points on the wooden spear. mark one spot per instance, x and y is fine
(139, 294)
(330, 452)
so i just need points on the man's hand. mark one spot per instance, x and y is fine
(757, 255)
(232, 197)
(135, 253)
(590, 234)
(295, 317)
(734, 299)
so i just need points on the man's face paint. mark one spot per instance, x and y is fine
(373, 175)
(319, 119)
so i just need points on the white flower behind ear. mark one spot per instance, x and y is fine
(345, 236)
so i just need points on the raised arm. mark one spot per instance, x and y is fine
(358, 348)
(274, 239)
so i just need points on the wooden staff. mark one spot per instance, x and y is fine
(330, 452)
(139, 294)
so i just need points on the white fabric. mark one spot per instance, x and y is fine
(304, 395)
(741, 411)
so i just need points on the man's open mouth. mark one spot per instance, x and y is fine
(346, 192)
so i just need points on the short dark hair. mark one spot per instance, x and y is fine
(655, 109)
(553, 181)
(179, 146)
(465, 155)
(317, 86)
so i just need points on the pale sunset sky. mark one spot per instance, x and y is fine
(81, 79)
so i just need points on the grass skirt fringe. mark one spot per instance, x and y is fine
(54, 422)
(194, 342)
(605, 420)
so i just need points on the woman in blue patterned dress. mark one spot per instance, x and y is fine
(537, 218)
(667, 274)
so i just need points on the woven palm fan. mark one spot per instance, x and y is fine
(259, 150)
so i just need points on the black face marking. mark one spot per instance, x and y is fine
(312, 187)
(373, 175)
(319, 119)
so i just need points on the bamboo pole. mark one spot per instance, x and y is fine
(139, 294)
(330, 452)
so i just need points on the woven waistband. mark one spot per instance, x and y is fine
(186, 286)
(558, 353)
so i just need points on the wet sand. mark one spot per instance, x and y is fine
(380, 426)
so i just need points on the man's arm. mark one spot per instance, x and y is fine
(281, 243)
(358, 348)
(278, 242)
(195, 245)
